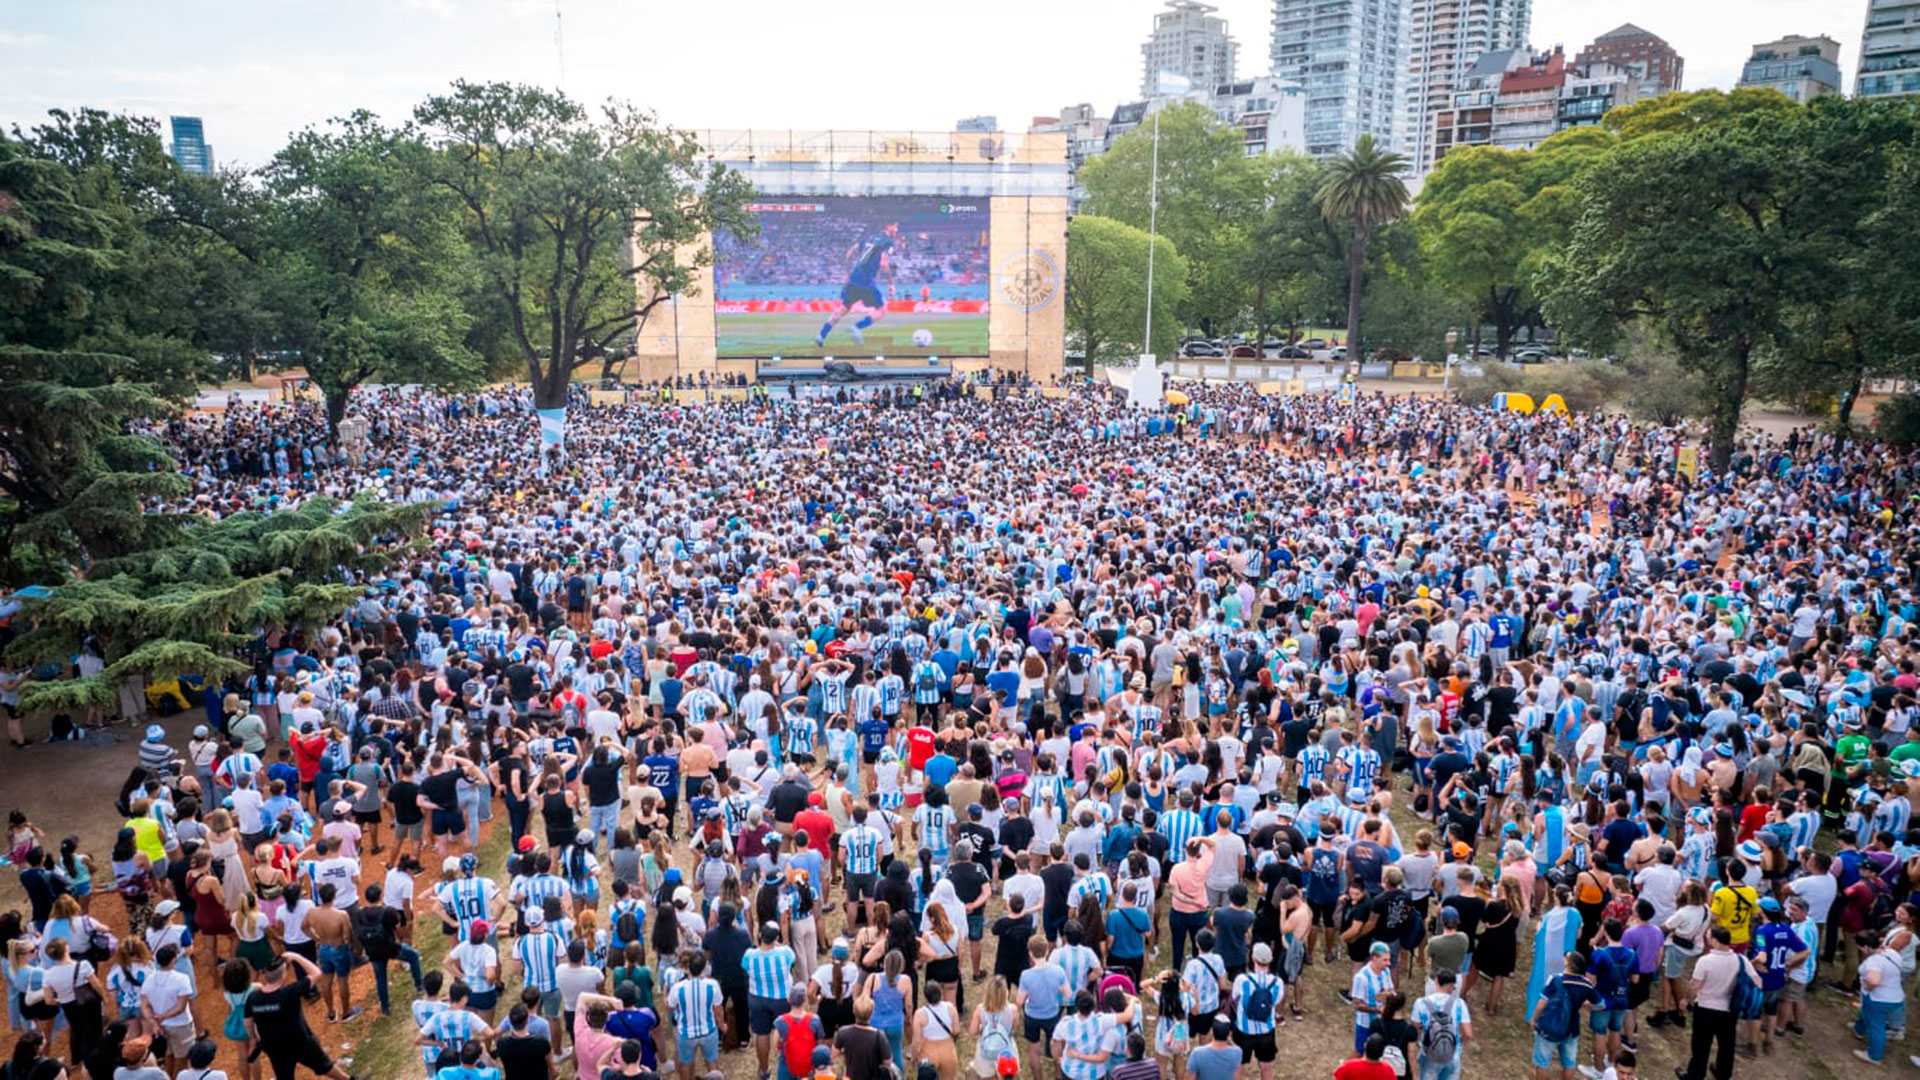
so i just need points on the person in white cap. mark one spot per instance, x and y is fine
(1257, 995)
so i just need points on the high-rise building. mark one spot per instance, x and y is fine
(1803, 68)
(1085, 131)
(1190, 41)
(977, 124)
(190, 147)
(1516, 99)
(1347, 54)
(1890, 50)
(1647, 53)
(1445, 38)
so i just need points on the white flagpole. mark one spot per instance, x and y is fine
(1153, 224)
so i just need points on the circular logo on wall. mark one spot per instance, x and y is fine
(1029, 279)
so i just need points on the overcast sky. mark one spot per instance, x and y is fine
(258, 69)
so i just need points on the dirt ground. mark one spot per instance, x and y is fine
(68, 789)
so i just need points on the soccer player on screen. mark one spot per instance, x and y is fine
(870, 261)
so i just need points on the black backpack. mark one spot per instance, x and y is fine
(370, 927)
(1259, 1007)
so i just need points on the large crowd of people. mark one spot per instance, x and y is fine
(1019, 735)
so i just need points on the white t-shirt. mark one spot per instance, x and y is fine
(473, 962)
(291, 918)
(397, 890)
(1818, 890)
(602, 722)
(249, 810)
(1659, 885)
(164, 989)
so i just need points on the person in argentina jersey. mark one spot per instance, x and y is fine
(538, 953)
(769, 977)
(695, 1001)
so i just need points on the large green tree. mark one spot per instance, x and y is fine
(1107, 287)
(366, 262)
(1209, 193)
(1292, 258)
(580, 223)
(1691, 232)
(73, 477)
(1361, 189)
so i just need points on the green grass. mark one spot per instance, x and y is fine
(792, 335)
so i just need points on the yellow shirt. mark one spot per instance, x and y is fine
(1733, 908)
(146, 837)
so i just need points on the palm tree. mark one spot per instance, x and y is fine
(1362, 187)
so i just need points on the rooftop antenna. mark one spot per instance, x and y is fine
(559, 47)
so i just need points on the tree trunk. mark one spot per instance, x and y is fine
(1356, 284)
(336, 410)
(1725, 424)
(1848, 398)
(549, 378)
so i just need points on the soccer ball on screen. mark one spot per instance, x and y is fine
(923, 337)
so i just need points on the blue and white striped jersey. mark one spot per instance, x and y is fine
(769, 971)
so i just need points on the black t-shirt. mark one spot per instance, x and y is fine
(1058, 879)
(405, 797)
(969, 880)
(787, 799)
(522, 1057)
(1396, 915)
(1502, 703)
(443, 789)
(864, 1048)
(276, 1015)
(1016, 834)
(603, 783)
(1295, 733)
(1471, 909)
(1010, 951)
(520, 680)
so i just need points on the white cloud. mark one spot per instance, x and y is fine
(11, 40)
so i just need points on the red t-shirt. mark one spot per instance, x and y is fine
(1362, 1069)
(919, 747)
(1751, 819)
(819, 828)
(306, 754)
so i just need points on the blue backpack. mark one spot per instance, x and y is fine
(1747, 997)
(1557, 1019)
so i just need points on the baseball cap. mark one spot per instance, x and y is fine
(450, 864)
(483, 927)
(155, 733)
(199, 731)
(525, 845)
(1263, 953)
(536, 917)
(166, 907)
(1770, 905)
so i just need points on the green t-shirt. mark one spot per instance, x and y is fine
(1853, 748)
(1905, 751)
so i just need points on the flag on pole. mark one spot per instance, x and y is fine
(1171, 84)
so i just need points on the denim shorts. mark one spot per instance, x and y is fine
(1544, 1050)
(708, 1045)
(336, 960)
(1603, 1021)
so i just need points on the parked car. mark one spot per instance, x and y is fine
(1293, 352)
(1532, 356)
(1314, 343)
(1271, 343)
(1339, 354)
(1204, 350)
(1579, 354)
(1244, 352)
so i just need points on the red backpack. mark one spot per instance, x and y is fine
(799, 1043)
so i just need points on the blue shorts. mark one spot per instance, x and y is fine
(1544, 1050)
(1602, 1021)
(708, 1045)
(336, 960)
(762, 1012)
(483, 1001)
(860, 292)
(448, 822)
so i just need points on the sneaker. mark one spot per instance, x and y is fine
(1866, 1057)
(1589, 1072)
(1680, 1020)
(1345, 996)
(858, 339)
(1658, 1020)
(1630, 1044)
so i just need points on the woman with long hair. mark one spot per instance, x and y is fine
(934, 1025)
(891, 992)
(126, 974)
(250, 930)
(833, 984)
(992, 1028)
(940, 939)
(79, 870)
